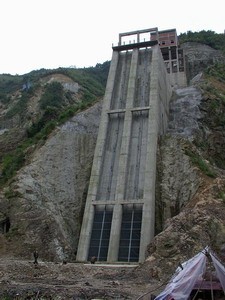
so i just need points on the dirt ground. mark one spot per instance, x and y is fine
(20, 279)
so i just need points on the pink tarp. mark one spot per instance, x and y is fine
(220, 270)
(185, 277)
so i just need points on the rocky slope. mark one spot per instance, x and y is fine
(190, 205)
(41, 207)
(45, 208)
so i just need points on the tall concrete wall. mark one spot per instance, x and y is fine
(122, 185)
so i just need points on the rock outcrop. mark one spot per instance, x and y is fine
(198, 57)
(189, 204)
(47, 196)
(44, 203)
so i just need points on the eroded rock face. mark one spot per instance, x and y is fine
(185, 112)
(178, 180)
(46, 211)
(189, 204)
(200, 224)
(198, 57)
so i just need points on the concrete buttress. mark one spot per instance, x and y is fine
(119, 217)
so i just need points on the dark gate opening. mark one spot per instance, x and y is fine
(4, 225)
(130, 233)
(101, 232)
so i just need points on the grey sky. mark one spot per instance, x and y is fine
(39, 34)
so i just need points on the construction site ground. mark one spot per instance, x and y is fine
(22, 279)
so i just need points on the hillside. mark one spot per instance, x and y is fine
(49, 123)
(32, 105)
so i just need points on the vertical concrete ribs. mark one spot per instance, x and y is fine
(119, 217)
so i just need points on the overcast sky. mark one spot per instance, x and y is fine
(49, 34)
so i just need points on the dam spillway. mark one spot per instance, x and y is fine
(119, 216)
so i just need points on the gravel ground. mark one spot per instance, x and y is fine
(21, 279)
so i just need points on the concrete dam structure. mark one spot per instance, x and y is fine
(119, 216)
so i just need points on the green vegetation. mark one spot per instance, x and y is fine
(92, 86)
(221, 195)
(10, 83)
(200, 163)
(38, 132)
(21, 105)
(100, 72)
(11, 163)
(57, 106)
(213, 107)
(4, 98)
(9, 193)
(210, 38)
(92, 79)
(53, 95)
(217, 71)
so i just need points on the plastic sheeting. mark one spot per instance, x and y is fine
(184, 279)
(220, 270)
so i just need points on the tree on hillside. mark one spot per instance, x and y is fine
(210, 38)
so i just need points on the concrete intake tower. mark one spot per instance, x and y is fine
(119, 216)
